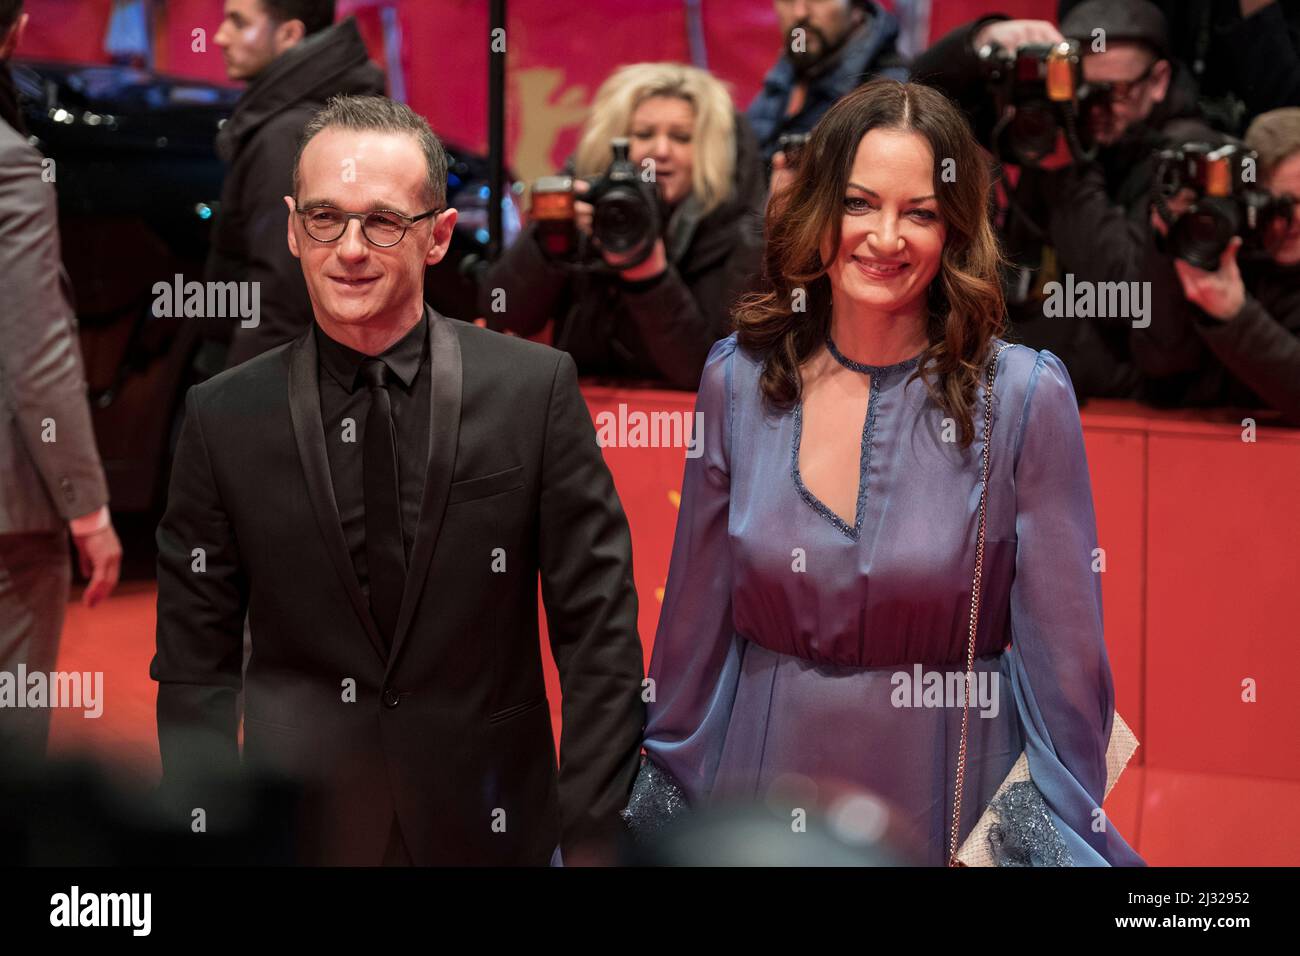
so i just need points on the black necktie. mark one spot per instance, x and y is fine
(385, 554)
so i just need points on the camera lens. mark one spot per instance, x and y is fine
(621, 222)
(1033, 130)
(1200, 236)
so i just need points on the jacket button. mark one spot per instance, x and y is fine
(391, 697)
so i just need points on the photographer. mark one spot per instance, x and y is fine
(1081, 217)
(1231, 335)
(1243, 54)
(838, 45)
(703, 185)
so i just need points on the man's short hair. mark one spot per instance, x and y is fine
(382, 115)
(9, 10)
(314, 14)
(1275, 135)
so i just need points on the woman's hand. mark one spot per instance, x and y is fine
(654, 264)
(582, 211)
(1220, 293)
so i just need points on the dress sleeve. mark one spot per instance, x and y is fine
(695, 663)
(1060, 672)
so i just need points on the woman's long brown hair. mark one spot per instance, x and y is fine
(965, 302)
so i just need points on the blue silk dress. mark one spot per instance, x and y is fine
(783, 626)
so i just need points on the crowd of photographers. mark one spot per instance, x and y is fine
(1147, 156)
(1147, 159)
(1150, 192)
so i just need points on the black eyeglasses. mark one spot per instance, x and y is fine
(1123, 90)
(381, 228)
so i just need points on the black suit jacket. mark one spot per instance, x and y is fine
(452, 731)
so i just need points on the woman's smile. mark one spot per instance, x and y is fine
(881, 269)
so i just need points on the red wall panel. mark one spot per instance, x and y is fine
(559, 51)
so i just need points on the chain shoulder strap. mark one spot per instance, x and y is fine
(976, 585)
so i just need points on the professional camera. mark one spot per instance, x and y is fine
(1038, 90)
(625, 220)
(1227, 203)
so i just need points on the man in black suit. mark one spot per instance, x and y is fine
(396, 667)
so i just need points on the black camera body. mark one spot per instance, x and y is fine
(1037, 89)
(1228, 203)
(625, 217)
(625, 220)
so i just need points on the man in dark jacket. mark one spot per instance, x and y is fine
(1231, 336)
(661, 324)
(293, 61)
(841, 44)
(1243, 54)
(381, 497)
(1089, 219)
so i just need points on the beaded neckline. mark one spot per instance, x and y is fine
(867, 369)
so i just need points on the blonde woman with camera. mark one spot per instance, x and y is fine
(650, 312)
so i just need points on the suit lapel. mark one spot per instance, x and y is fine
(304, 408)
(446, 376)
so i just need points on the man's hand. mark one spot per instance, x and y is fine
(782, 175)
(1220, 293)
(1178, 204)
(100, 556)
(1060, 157)
(1016, 33)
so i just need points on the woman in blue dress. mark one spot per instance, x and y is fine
(825, 548)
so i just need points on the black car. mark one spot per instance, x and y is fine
(138, 183)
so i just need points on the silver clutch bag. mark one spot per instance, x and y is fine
(1015, 829)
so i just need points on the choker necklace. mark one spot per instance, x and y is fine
(861, 367)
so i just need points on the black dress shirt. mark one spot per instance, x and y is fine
(344, 397)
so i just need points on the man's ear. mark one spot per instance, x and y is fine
(443, 225)
(293, 237)
(288, 35)
(1162, 74)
